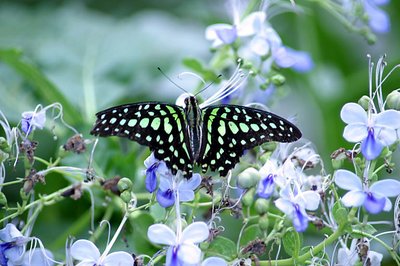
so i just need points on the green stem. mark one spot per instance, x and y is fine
(301, 259)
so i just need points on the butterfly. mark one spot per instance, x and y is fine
(213, 137)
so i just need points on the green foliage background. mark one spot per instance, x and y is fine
(96, 54)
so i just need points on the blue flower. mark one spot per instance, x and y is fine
(169, 187)
(154, 166)
(378, 19)
(351, 257)
(286, 57)
(266, 185)
(32, 120)
(88, 255)
(182, 245)
(221, 34)
(374, 131)
(374, 199)
(294, 205)
(12, 249)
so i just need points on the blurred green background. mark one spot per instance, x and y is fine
(102, 53)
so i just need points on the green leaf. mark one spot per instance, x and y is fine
(222, 247)
(250, 233)
(291, 243)
(340, 214)
(44, 87)
(365, 228)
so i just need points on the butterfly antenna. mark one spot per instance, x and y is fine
(209, 85)
(170, 80)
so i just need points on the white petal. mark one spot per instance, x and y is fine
(388, 118)
(353, 113)
(214, 261)
(259, 46)
(388, 205)
(354, 198)
(211, 31)
(347, 180)
(195, 233)
(387, 187)
(386, 135)
(252, 24)
(355, 132)
(284, 205)
(119, 258)
(86, 263)
(83, 249)
(165, 183)
(161, 234)
(311, 200)
(189, 253)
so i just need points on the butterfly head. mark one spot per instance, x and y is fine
(187, 101)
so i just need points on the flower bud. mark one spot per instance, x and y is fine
(337, 163)
(261, 205)
(386, 152)
(4, 145)
(126, 196)
(3, 156)
(3, 199)
(125, 184)
(248, 197)
(364, 102)
(62, 153)
(278, 80)
(393, 100)
(263, 222)
(248, 178)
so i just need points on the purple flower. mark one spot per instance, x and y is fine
(32, 120)
(374, 199)
(374, 131)
(182, 245)
(12, 249)
(286, 57)
(266, 185)
(378, 19)
(154, 166)
(169, 187)
(294, 205)
(221, 34)
(88, 255)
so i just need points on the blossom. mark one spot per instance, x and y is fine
(286, 57)
(374, 131)
(266, 185)
(12, 249)
(154, 166)
(378, 19)
(169, 186)
(221, 33)
(350, 257)
(88, 255)
(32, 120)
(182, 245)
(374, 199)
(294, 204)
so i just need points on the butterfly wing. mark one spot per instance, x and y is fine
(229, 130)
(161, 127)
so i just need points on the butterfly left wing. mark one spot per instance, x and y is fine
(229, 130)
(159, 126)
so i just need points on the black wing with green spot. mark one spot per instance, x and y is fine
(159, 126)
(229, 130)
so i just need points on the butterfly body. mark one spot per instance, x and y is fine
(214, 137)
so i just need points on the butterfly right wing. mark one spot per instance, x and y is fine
(159, 126)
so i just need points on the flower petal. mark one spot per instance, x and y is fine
(355, 132)
(388, 205)
(378, 20)
(266, 187)
(284, 205)
(83, 249)
(38, 258)
(214, 261)
(387, 136)
(311, 200)
(388, 118)
(252, 24)
(161, 234)
(189, 254)
(227, 35)
(347, 180)
(371, 147)
(259, 46)
(119, 258)
(387, 187)
(353, 113)
(299, 219)
(374, 203)
(9, 232)
(151, 178)
(354, 198)
(165, 198)
(195, 233)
